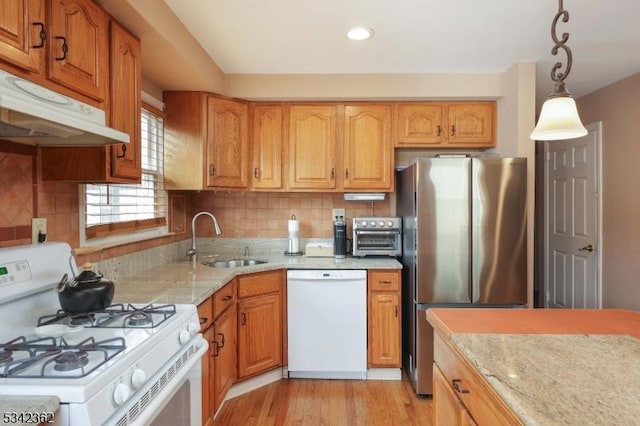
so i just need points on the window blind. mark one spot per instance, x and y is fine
(119, 208)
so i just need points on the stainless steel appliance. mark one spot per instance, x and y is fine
(464, 229)
(377, 236)
(126, 364)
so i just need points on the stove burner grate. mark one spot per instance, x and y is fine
(5, 357)
(115, 316)
(86, 320)
(64, 357)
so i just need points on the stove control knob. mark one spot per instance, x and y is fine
(138, 377)
(363, 223)
(389, 224)
(184, 336)
(381, 224)
(121, 393)
(372, 223)
(193, 328)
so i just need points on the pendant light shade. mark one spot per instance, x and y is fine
(559, 117)
(558, 120)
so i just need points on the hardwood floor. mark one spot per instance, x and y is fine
(328, 402)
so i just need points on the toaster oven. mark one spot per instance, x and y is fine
(377, 236)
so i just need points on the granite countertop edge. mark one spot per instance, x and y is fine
(192, 282)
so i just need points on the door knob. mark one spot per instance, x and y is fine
(587, 248)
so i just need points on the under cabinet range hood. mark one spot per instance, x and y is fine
(34, 115)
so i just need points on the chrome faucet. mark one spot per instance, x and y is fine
(246, 252)
(192, 251)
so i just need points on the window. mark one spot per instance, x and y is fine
(130, 212)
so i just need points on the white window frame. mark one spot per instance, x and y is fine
(128, 237)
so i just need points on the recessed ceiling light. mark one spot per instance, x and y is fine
(359, 33)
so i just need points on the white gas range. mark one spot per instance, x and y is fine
(125, 365)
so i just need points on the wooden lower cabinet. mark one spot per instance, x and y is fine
(460, 395)
(224, 358)
(447, 408)
(384, 319)
(259, 334)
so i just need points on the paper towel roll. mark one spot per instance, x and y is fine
(294, 229)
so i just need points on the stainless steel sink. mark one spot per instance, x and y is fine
(233, 263)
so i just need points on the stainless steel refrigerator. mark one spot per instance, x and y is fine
(464, 244)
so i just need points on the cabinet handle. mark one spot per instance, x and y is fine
(221, 344)
(333, 173)
(453, 130)
(384, 282)
(438, 130)
(216, 351)
(124, 152)
(43, 35)
(456, 385)
(243, 319)
(346, 173)
(256, 173)
(226, 298)
(396, 311)
(212, 170)
(203, 320)
(65, 48)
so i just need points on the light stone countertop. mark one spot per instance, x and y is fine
(552, 379)
(38, 406)
(193, 282)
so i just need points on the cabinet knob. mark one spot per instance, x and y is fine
(221, 343)
(243, 319)
(212, 170)
(438, 130)
(453, 130)
(42, 35)
(256, 173)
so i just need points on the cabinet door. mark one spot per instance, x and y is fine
(368, 153)
(312, 147)
(207, 378)
(419, 124)
(259, 334)
(447, 408)
(23, 33)
(226, 143)
(471, 123)
(266, 144)
(126, 84)
(78, 47)
(384, 329)
(224, 361)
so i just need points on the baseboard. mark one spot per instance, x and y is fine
(254, 383)
(384, 374)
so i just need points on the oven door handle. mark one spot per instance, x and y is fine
(151, 410)
(377, 232)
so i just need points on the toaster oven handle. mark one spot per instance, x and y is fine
(396, 232)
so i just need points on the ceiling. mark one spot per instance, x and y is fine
(417, 36)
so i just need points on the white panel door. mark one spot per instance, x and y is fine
(572, 222)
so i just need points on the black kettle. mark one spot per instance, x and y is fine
(88, 292)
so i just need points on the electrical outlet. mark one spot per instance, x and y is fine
(38, 228)
(338, 214)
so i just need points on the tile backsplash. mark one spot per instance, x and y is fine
(265, 214)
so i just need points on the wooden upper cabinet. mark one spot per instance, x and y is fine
(368, 152)
(126, 86)
(419, 124)
(227, 149)
(266, 146)
(312, 147)
(78, 47)
(446, 124)
(472, 123)
(23, 34)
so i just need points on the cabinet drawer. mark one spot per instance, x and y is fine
(478, 398)
(384, 281)
(205, 313)
(260, 283)
(224, 298)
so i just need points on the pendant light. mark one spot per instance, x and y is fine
(559, 117)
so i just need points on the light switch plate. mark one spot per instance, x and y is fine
(338, 214)
(38, 225)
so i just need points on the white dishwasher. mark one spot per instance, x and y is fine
(327, 324)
